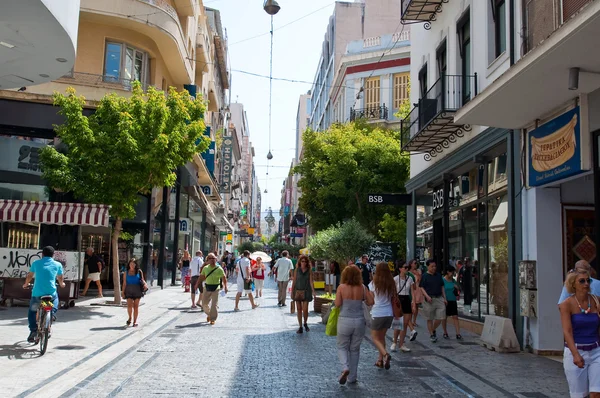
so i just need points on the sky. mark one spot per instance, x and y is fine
(296, 52)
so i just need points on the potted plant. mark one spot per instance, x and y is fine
(323, 299)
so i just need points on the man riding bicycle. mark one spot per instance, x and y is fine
(46, 271)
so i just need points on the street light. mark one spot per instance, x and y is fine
(271, 7)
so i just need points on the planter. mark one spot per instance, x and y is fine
(319, 301)
(324, 308)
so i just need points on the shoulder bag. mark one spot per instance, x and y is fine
(366, 311)
(396, 306)
(247, 282)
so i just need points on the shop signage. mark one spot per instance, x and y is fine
(439, 197)
(185, 225)
(554, 149)
(296, 235)
(393, 199)
(301, 230)
(227, 156)
(20, 156)
(251, 231)
(206, 190)
(229, 237)
(15, 263)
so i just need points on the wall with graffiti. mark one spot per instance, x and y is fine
(15, 263)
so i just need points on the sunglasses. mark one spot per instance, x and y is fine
(583, 281)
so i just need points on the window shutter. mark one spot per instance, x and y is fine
(570, 7)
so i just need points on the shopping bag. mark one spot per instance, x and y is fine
(332, 322)
(398, 324)
(325, 317)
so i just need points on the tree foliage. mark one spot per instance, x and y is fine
(345, 163)
(341, 242)
(127, 147)
(392, 228)
(250, 246)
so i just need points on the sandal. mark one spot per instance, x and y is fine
(306, 327)
(344, 377)
(388, 359)
(446, 336)
(379, 364)
(135, 325)
(299, 331)
(128, 323)
(459, 337)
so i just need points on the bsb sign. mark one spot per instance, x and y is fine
(392, 199)
(554, 149)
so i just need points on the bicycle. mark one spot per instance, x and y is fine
(44, 322)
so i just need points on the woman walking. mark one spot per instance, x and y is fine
(351, 322)
(580, 322)
(385, 291)
(258, 273)
(452, 291)
(133, 287)
(303, 290)
(184, 263)
(417, 294)
(405, 286)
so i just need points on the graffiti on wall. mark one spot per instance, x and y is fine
(15, 263)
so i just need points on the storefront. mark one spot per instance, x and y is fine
(462, 212)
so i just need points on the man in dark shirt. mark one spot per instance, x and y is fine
(434, 307)
(365, 270)
(94, 264)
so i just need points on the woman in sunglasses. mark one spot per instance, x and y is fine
(580, 322)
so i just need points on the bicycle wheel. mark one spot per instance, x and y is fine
(44, 331)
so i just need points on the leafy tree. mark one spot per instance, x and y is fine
(127, 147)
(250, 246)
(392, 228)
(345, 163)
(341, 242)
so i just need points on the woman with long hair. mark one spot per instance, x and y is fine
(351, 322)
(133, 287)
(258, 273)
(303, 290)
(385, 292)
(405, 286)
(417, 294)
(184, 263)
(580, 322)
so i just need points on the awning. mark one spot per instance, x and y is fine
(54, 213)
(228, 224)
(421, 232)
(499, 221)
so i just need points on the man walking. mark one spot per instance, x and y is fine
(284, 268)
(366, 270)
(45, 271)
(94, 264)
(214, 276)
(244, 280)
(434, 307)
(195, 267)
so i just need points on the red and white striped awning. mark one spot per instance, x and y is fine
(54, 213)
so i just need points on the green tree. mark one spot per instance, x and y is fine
(392, 228)
(345, 163)
(341, 242)
(127, 147)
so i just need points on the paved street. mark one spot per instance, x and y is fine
(175, 352)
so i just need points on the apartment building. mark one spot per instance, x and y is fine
(504, 137)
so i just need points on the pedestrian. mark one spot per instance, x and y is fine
(244, 280)
(405, 286)
(351, 322)
(184, 263)
(594, 286)
(214, 276)
(579, 316)
(283, 268)
(452, 291)
(434, 307)
(44, 273)
(195, 268)
(366, 270)
(154, 267)
(337, 274)
(94, 264)
(303, 290)
(384, 289)
(416, 273)
(465, 278)
(134, 286)
(258, 273)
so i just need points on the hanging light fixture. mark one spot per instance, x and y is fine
(271, 7)
(269, 155)
(266, 191)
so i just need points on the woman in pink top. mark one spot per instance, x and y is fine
(258, 273)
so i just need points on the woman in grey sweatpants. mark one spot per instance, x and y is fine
(351, 323)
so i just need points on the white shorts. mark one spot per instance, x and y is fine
(330, 279)
(586, 380)
(259, 284)
(94, 276)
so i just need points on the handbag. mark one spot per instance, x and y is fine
(143, 284)
(366, 311)
(299, 295)
(396, 306)
(332, 322)
(247, 282)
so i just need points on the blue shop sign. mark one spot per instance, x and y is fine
(554, 149)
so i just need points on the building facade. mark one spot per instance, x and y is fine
(505, 131)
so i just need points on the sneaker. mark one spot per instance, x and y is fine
(446, 336)
(31, 338)
(459, 337)
(393, 347)
(433, 338)
(279, 304)
(435, 333)
(404, 349)
(413, 335)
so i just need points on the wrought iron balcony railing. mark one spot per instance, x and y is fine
(103, 81)
(370, 113)
(434, 113)
(417, 11)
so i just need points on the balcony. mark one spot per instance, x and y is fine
(421, 11)
(99, 81)
(370, 113)
(430, 126)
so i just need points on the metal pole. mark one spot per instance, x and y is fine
(163, 238)
(176, 227)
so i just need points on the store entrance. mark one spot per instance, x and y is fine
(438, 242)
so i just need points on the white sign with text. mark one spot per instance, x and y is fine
(15, 263)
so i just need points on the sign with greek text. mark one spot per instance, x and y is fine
(20, 156)
(226, 169)
(15, 263)
(555, 149)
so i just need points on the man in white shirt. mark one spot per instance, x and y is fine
(244, 276)
(284, 267)
(195, 267)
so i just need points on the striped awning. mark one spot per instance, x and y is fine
(54, 213)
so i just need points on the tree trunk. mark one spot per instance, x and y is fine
(115, 259)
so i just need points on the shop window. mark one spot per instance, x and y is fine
(124, 64)
(424, 232)
(495, 277)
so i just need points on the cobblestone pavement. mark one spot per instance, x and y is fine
(256, 353)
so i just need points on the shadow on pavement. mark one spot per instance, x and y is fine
(108, 328)
(18, 315)
(192, 325)
(20, 350)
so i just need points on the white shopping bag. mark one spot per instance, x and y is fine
(223, 293)
(398, 324)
